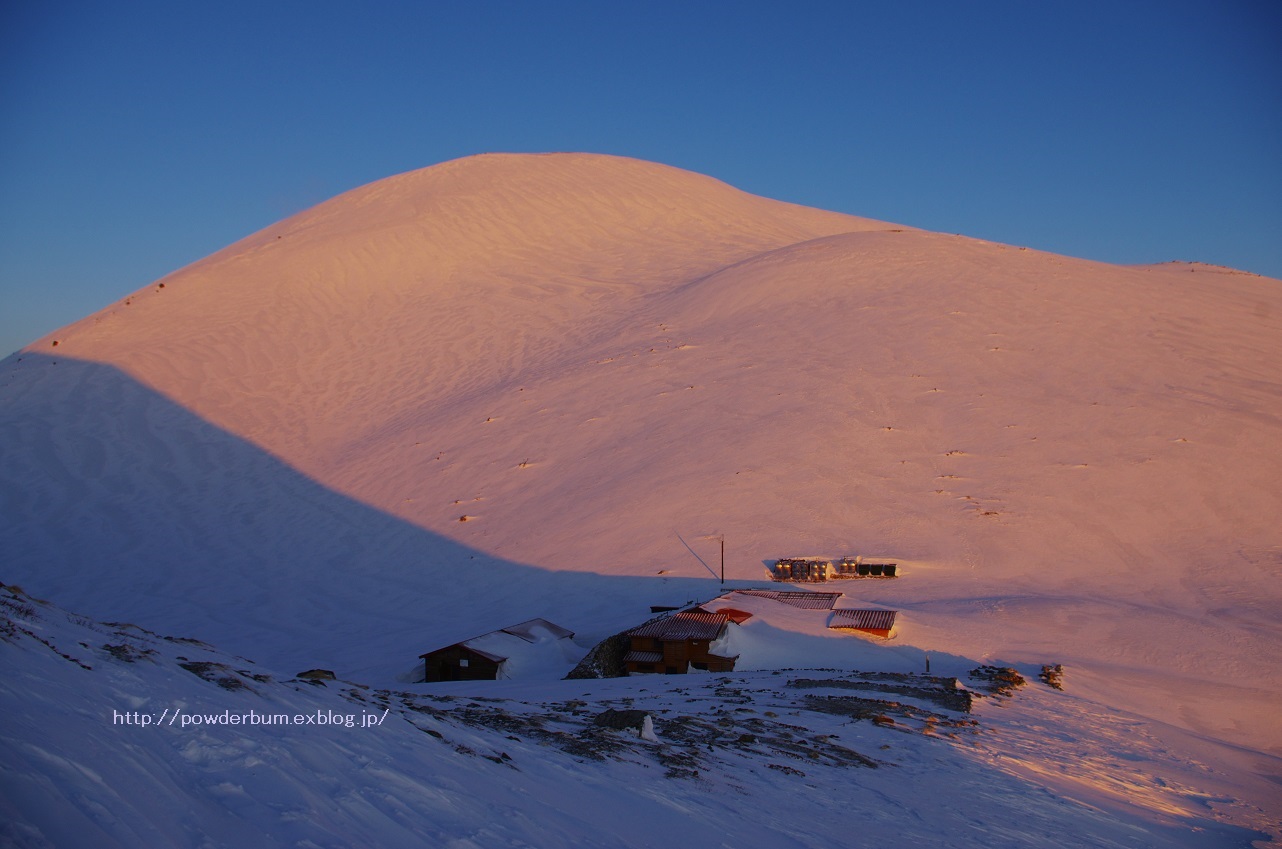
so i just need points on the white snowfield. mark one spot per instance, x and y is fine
(516, 386)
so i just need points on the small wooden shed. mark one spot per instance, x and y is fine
(879, 623)
(459, 662)
(482, 658)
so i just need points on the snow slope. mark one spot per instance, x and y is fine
(518, 386)
(116, 736)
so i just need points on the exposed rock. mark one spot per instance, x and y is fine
(605, 660)
(215, 673)
(316, 675)
(1000, 680)
(628, 720)
(942, 691)
(1053, 676)
(621, 719)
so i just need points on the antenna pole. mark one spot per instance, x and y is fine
(723, 560)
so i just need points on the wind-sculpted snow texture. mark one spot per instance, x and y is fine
(517, 386)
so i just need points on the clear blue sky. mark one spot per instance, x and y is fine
(138, 137)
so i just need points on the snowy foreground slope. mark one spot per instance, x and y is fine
(117, 736)
(510, 387)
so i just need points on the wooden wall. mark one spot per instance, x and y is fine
(447, 665)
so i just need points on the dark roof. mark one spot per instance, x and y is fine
(643, 657)
(490, 656)
(863, 620)
(686, 625)
(809, 601)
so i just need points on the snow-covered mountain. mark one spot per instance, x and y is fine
(510, 387)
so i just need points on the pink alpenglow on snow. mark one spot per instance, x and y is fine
(605, 363)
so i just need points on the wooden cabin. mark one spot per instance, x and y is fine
(460, 663)
(677, 643)
(878, 623)
(482, 658)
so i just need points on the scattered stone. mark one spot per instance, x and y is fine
(999, 680)
(1053, 676)
(786, 770)
(127, 653)
(216, 673)
(316, 675)
(944, 692)
(627, 720)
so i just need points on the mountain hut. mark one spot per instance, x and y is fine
(678, 643)
(482, 658)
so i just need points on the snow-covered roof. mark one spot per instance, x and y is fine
(488, 655)
(528, 631)
(489, 644)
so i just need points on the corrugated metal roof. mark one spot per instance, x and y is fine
(734, 614)
(808, 601)
(643, 657)
(761, 593)
(686, 625)
(863, 620)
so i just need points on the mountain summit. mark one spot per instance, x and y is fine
(457, 278)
